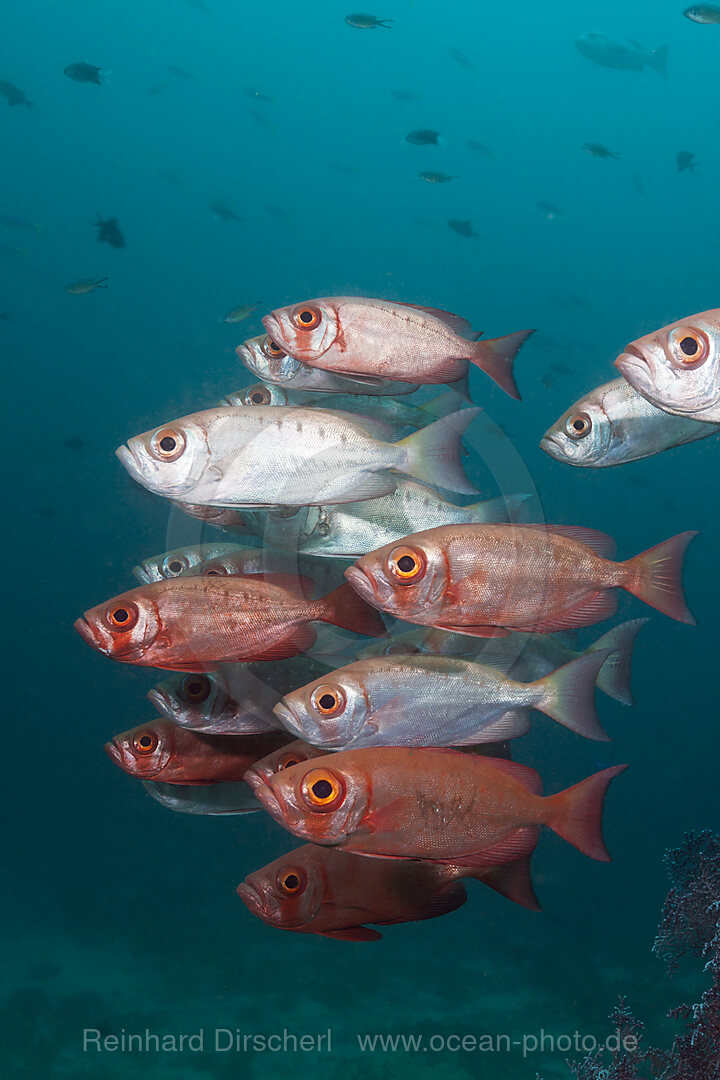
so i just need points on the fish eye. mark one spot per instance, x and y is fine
(322, 790)
(688, 347)
(213, 571)
(578, 425)
(167, 444)
(406, 565)
(328, 700)
(291, 880)
(258, 395)
(174, 565)
(195, 688)
(286, 762)
(306, 317)
(121, 616)
(270, 348)
(145, 742)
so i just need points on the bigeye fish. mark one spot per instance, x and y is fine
(228, 797)
(353, 529)
(285, 757)
(235, 700)
(621, 53)
(270, 456)
(86, 285)
(196, 623)
(321, 890)
(437, 804)
(160, 750)
(614, 424)
(485, 580)
(523, 656)
(436, 701)
(191, 559)
(356, 335)
(266, 359)
(677, 368)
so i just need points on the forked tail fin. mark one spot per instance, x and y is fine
(576, 813)
(614, 677)
(433, 453)
(495, 356)
(346, 608)
(656, 577)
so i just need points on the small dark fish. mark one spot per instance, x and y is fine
(275, 211)
(367, 22)
(479, 148)
(5, 316)
(462, 60)
(423, 137)
(251, 92)
(436, 177)
(109, 233)
(14, 95)
(703, 13)
(82, 72)
(171, 177)
(261, 119)
(7, 249)
(157, 88)
(405, 95)
(548, 210)
(638, 185)
(598, 150)
(685, 160)
(181, 73)
(463, 228)
(560, 368)
(548, 382)
(223, 212)
(76, 442)
(12, 221)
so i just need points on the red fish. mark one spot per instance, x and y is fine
(195, 623)
(368, 338)
(291, 753)
(320, 890)
(486, 580)
(162, 751)
(441, 805)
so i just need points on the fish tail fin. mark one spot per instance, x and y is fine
(495, 356)
(345, 608)
(385, 23)
(576, 813)
(497, 511)
(433, 453)
(656, 577)
(658, 59)
(512, 880)
(614, 677)
(569, 694)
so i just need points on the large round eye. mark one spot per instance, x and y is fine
(306, 317)
(578, 425)
(406, 564)
(271, 348)
(328, 700)
(121, 616)
(688, 347)
(322, 790)
(174, 565)
(258, 395)
(167, 444)
(145, 742)
(195, 688)
(218, 570)
(291, 880)
(287, 761)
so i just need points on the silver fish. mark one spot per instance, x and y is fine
(677, 367)
(270, 456)
(354, 529)
(374, 425)
(235, 700)
(190, 559)
(86, 285)
(264, 358)
(240, 314)
(523, 656)
(621, 53)
(230, 797)
(437, 701)
(615, 424)
(708, 14)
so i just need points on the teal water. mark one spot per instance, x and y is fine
(120, 915)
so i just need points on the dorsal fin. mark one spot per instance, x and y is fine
(599, 542)
(522, 773)
(453, 322)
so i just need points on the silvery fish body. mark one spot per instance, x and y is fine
(235, 700)
(273, 455)
(615, 424)
(272, 365)
(230, 797)
(188, 560)
(356, 528)
(620, 53)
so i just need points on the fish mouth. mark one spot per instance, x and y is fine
(116, 755)
(251, 897)
(632, 359)
(139, 572)
(367, 586)
(274, 329)
(553, 445)
(163, 704)
(131, 463)
(91, 635)
(260, 788)
(288, 720)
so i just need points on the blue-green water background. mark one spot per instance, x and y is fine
(120, 914)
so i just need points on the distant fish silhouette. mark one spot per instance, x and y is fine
(462, 59)
(181, 73)
(14, 95)
(463, 228)
(76, 442)
(109, 233)
(225, 213)
(82, 72)
(367, 22)
(685, 161)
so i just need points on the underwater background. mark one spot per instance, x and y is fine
(118, 914)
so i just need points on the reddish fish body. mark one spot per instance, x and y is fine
(440, 805)
(195, 623)
(162, 751)
(369, 338)
(486, 580)
(321, 890)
